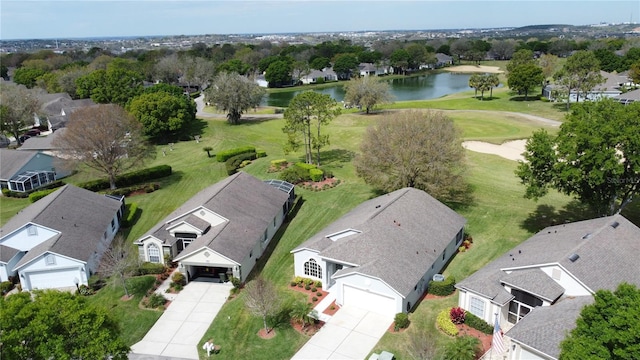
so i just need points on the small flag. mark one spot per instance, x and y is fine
(497, 343)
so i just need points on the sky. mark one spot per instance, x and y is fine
(57, 19)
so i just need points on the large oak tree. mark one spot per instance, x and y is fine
(595, 156)
(235, 94)
(105, 138)
(606, 329)
(415, 149)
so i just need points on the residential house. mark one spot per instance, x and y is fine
(443, 60)
(24, 171)
(628, 97)
(57, 108)
(381, 255)
(369, 69)
(538, 288)
(609, 88)
(223, 230)
(58, 241)
(43, 144)
(326, 74)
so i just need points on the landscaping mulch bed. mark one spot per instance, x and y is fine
(392, 329)
(485, 339)
(310, 294)
(309, 329)
(267, 335)
(331, 309)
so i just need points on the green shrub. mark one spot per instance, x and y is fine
(401, 321)
(85, 290)
(131, 210)
(224, 155)
(328, 174)
(52, 185)
(14, 194)
(442, 288)
(319, 293)
(320, 80)
(236, 282)
(278, 162)
(126, 191)
(477, 323)
(307, 287)
(305, 166)
(443, 321)
(307, 281)
(35, 196)
(261, 153)
(293, 283)
(318, 283)
(5, 287)
(150, 268)
(314, 299)
(130, 178)
(314, 289)
(178, 278)
(244, 163)
(316, 174)
(155, 300)
(295, 175)
(233, 163)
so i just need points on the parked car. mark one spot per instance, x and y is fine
(32, 132)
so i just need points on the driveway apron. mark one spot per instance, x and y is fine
(177, 332)
(350, 334)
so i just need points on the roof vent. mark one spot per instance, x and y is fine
(615, 224)
(586, 236)
(573, 257)
(377, 206)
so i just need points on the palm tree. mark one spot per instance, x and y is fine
(208, 150)
(474, 81)
(494, 81)
(303, 312)
(462, 348)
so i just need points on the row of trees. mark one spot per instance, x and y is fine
(484, 82)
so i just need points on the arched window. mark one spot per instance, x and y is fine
(312, 268)
(154, 253)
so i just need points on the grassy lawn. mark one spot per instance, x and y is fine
(134, 321)
(498, 218)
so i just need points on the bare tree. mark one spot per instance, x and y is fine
(421, 346)
(105, 138)
(18, 106)
(367, 92)
(262, 299)
(414, 149)
(119, 260)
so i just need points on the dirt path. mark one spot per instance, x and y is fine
(245, 117)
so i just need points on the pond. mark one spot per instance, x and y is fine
(422, 87)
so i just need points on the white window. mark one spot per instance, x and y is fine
(311, 268)
(154, 253)
(476, 307)
(50, 260)
(32, 230)
(265, 236)
(274, 222)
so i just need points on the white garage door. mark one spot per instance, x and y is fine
(369, 300)
(53, 279)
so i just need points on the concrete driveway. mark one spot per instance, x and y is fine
(350, 334)
(177, 332)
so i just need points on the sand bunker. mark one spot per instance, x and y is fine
(511, 150)
(475, 69)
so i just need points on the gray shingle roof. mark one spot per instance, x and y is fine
(402, 234)
(535, 282)
(42, 142)
(81, 216)
(607, 256)
(633, 95)
(249, 204)
(11, 161)
(7, 253)
(545, 326)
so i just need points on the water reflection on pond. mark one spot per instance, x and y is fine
(404, 89)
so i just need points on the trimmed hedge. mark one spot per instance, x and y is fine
(316, 174)
(150, 268)
(306, 166)
(35, 196)
(401, 321)
(233, 163)
(261, 153)
(223, 156)
(148, 188)
(477, 323)
(278, 162)
(443, 321)
(442, 288)
(130, 178)
(294, 175)
(131, 210)
(14, 194)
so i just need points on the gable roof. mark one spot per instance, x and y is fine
(248, 203)
(42, 142)
(401, 235)
(12, 161)
(545, 326)
(607, 247)
(81, 216)
(7, 253)
(629, 96)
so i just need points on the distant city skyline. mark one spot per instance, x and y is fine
(58, 19)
